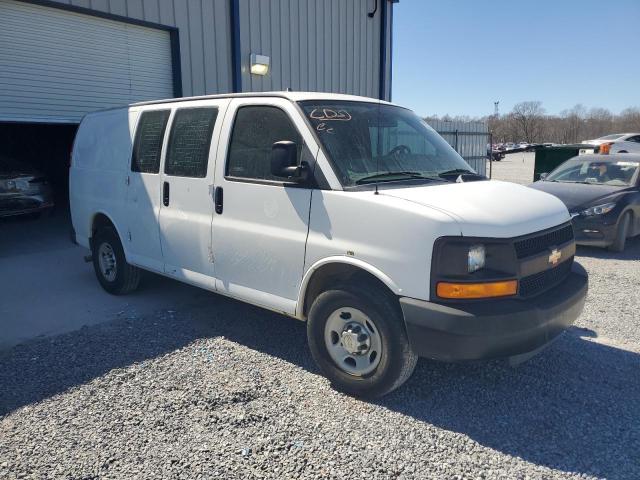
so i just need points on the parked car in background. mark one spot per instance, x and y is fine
(495, 152)
(602, 193)
(23, 190)
(617, 143)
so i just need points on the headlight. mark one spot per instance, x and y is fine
(476, 257)
(598, 209)
(14, 185)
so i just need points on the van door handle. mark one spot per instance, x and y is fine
(218, 200)
(165, 194)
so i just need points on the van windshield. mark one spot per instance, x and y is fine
(369, 142)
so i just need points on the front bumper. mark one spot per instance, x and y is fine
(20, 204)
(494, 328)
(596, 231)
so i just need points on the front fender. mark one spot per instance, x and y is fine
(346, 260)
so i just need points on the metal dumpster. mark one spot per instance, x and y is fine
(549, 157)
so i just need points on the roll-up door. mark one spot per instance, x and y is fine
(56, 65)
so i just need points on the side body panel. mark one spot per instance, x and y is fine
(625, 146)
(141, 240)
(185, 223)
(97, 177)
(259, 238)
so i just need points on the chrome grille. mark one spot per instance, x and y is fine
(541, 243)
(542, 281)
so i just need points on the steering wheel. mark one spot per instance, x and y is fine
(399, 151)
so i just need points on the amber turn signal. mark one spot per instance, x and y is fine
(477, 290)
(605, 148)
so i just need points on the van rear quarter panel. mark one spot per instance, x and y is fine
(97, 178)
(392, 235)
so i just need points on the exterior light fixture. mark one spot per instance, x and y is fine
(259, 64)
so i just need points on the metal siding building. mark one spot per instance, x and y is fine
(326, 45)
(62, 58)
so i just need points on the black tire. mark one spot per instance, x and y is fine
(622, 232)
(126, 277)
(397, 360)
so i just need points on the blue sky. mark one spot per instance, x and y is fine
(458, 57)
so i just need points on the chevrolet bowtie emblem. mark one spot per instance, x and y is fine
(554, 257)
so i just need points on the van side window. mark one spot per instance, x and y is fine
(189, 142)
(148, 141)
(255, 130)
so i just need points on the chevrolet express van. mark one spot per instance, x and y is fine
(345, 212)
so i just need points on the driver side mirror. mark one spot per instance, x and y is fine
(544, 175)
(284, 162)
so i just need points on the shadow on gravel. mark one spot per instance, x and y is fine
(575, 407)
(631, 251)
(42, 368)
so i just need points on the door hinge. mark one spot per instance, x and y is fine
(129, 234)
(210, 255)
(127, 181)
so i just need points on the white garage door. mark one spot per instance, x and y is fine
(57, 65)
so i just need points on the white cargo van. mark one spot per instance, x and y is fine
(346, 212)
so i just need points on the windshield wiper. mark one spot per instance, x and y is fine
(456, 170)
(389, 176)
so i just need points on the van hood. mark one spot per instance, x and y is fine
(488, 208)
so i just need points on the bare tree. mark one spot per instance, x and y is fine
(629, 120)
(599, 121)
(570, 126)
(529, 120)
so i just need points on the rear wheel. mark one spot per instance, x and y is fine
(114, 273)
(358, 341)
(622, 233)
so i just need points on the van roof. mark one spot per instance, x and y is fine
(293, 96)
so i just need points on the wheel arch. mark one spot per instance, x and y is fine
(102, 219)
(339, 270)
(635, 224)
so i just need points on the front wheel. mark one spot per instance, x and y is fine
(358, 341)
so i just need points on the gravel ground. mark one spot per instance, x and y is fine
(229, 391)
(226, 390)
(515, 167)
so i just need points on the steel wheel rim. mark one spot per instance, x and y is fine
(107, 262)
(353, 341)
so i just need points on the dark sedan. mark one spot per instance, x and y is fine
(602, 193)
(23, 190)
